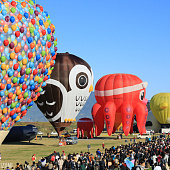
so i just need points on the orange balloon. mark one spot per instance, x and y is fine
(11, 64)
(19, 16)
(19, 96)
(32, 45)
(9, 81)
(10, 95)
(18, 110)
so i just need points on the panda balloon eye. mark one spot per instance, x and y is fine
(141, 95)
(82, 80)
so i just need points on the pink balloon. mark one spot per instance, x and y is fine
(2, 22)
(1, 29)
(24, 38)
(24, 26)
(1, 49)
(28, 34)
(25, 47)
(15, 73)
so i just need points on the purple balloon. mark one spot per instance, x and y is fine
(36, 12)
(22, 29)
(7, 18)
(43, 70)
(3, 98)
(52, 38)
(23, 102)
(55, 49)
(22, 72)
(9, 102)
(11, 45)
(36, 87)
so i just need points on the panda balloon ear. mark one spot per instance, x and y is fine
(145, 84)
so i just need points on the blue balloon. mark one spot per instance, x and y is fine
(32, 87)
(41, 22)
(38, 57)
(19, 57)
(2, 93)
(12, 19)
(4, 12)
(23, 108)
(29, 40)
(31, 82)
(21, 80)
(14, 116)
(31, 104)
(10, 73)
(26, 15)
(8, 86)
(49, 30)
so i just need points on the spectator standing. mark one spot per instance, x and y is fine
(103, 145)
(60, 163)
(141, 165)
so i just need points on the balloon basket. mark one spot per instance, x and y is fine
(3, 134)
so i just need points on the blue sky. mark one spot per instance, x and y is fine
(117, 36)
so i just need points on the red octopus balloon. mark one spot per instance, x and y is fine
(119, 98)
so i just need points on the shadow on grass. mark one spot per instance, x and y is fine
(21, 143)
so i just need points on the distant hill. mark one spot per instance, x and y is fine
(35, 115)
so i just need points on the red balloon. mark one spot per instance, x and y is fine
(43, 32)
(12, 113)
(119, 98)
(24, 87)
(17, 33)
(6, 42)
(29, 100)
(13, 3)
(30, 55)
(33, 21)
(16, 66)
(35, 72)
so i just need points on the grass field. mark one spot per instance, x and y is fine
(22, 151)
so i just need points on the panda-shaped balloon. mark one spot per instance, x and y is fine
(67, 90)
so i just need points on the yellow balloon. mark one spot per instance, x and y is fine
(4, 110)
(3, 66)
(17, 118)
(15, 42)
(5, 28)
(13, 27)
(18, 92)
(24, 61)
(160, 107)
(12, 55)
(36, 78)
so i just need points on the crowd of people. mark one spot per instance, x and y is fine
(152, 154)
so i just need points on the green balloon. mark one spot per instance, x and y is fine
(55, 43)
(13, 105)
(40, 89)
(31, 11)
(3, 58)
(40, 80)
(29, 107)
(49, 22)
(31, 30)
(6, 92)
(48, 37)
(21, 65)
(43, 53)
(32, 59)
(37, 23)
(51, 68)
(26, 95)
(15, 80)
(27, 71)
(3, 72)
(13, 10)
(31, 2)
(23, 53)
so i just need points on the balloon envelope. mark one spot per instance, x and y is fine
(160, 107)
(23, 27)
(67, 91)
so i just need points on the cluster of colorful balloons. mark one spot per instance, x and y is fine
(27, 57)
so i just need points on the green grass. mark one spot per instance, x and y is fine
(23, 151)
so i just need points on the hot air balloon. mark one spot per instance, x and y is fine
(160, 107)
(27, 56)
(119, 98)
(67, 91)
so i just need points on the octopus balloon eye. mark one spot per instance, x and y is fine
(141, 96)
(82, 80)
